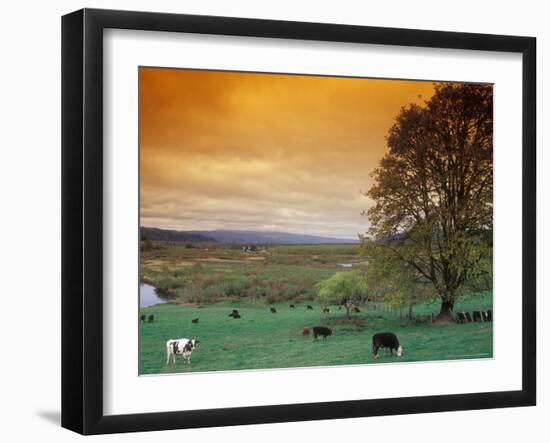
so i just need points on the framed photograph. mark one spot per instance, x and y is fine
(268, 221)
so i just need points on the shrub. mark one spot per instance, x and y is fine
(274, 296)
(146, 245)
(290, 292)
(305, 296)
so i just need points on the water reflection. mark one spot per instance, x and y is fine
(148, 296)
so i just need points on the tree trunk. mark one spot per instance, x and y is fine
(347, 310)
(411, 311)
(446, 313)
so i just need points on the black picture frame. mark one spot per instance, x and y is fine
(82, 218)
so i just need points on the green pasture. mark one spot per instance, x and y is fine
(261, 340)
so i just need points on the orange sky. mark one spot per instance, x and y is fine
(228, 150)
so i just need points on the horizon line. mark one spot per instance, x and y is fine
(356, 238)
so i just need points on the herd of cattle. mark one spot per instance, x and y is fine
(186, 346)
(150, 318)
(382, 340)
(475, 316)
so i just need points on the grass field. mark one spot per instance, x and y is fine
(207, 281)
(263, 340)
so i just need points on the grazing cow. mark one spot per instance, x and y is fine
(356, 309)
(326, 310)
(461, 317)
(476, 315)
(235, 311)
(291, 306)
(386, 340)
(309, 308)
(321, 331)
(195, 320)
(488, 315)
(180, 346)
(305, 332)
(151, 318)
(142, 318)
(273, 310)
(468, 317)
(235, 315)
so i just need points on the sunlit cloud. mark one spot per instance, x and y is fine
(224, 150)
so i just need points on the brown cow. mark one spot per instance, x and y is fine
(305, 332)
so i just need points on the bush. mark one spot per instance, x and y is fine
(221, 288)
(274, 296)
(305, 296)
(290, 292)
(191, 294)
(146, 245)
(169, 283)
(257, 292)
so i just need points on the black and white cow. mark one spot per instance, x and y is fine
(477, 316)
(386, 340)
(461, 317)
(180, 346)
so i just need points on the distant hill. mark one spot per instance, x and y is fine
(261, 237)
(241, 237)
(156, 234)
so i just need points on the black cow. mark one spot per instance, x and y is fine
(235, 311)
(321, 331)
(326, 310)
(476, 315)
(234, 315)
(195, 320)
(291, 306)
(309, 308)
(273, 310)
(142, 318)
(151, 318)
(386, 340)
(460, 317)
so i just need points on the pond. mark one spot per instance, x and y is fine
(148, 296)
(351, 265)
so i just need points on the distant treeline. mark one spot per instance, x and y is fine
(166, 235)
